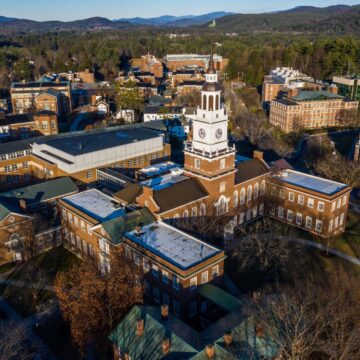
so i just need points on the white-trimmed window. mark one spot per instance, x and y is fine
(308, 222)
(290, 215)
(331, 222)
(301, 199)
(89, 229)
(204, 277)
(333, 206)
(262, 187)
(76, 221)
(310, 203)
(281, 212)
(339, 203)
(249, 193)
(215, 271)
(336, 222)
(82, 224)
(165, 276)
(197, 163)
(235, 198)
(291, 196)
(146, 265)
(155, 270)
(137, 258)
(222, 187)
(344, 199)
(321, 206)
(194, 212)
(89, 174)
(70, 218)
(298, 219)
(176, 283)
(341, 220)
(193, 283)
(242, 196)
(318, 225)
(282, 193)
(256, 190)
(202, 209)
(222, 164)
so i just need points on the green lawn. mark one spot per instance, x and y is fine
(40, 270)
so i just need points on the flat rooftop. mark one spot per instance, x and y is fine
(172, 245)
(84, 143)
(310, 182)
(158, 169)
(96, 204)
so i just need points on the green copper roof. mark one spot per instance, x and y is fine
(38, 193)
(128, 222)
(220, 297)
(148, 346)
(315, 96)
(220, 354)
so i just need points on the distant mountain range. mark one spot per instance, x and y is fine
(338, 19)
(176, 21)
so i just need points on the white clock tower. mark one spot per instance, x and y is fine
(208, 153)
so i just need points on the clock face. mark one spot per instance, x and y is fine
(202, 133)
(218, 133)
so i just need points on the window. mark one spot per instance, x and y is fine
(197, 163)
(70, 218)
(104, 246)
(222, 187)
(202, 209)
(155, 270)
(235, 198)
(344, 199)
(336, 222)
(222, 164)
(89, 229)
(76, 221)
(256, 190)
(308, 222)
(89, 174)
(156, 294)
(331, 222)
(321, 206)
(14, 167)
(242, 196)
(193, 283)
(291, 196)
(261, 209)
(290, 215)
(249, 193)
(137, 258)
(192, 308)
(341, 221)
(301, 199)
(339, 203)
(281, 212)
(165, 277)
(333, 206)
(318, 225)
(254, 212)
(204, 277)
(25, 165)
(176, 283)
(45, 125)
(215, 271)
(241, 218)
(282, 194)
(262, 187)
(82, 224)
(78, 241)
(146, 265)
(194, 212)
(310, 203)
(7, 169)
(298, 219)
(186, 216)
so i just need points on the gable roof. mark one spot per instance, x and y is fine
(41, 192)
(128, 222)
(179, 194)
(129, 194)
(250, 169)
(148, 346)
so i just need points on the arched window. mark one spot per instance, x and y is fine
(186, 216)
(242, 196)
(235, 198)
(256, 190)
(249, 193)
(222, 205)
(202, 209)
(262, 187)
(211, 102)
(204, 102)
(194, 212)
(217, 102)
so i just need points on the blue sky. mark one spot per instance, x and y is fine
(80, 9)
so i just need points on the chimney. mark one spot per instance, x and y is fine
(164, 311)
(140, 327)
(257, 154)
(228, 338)
(22, 204)
(210, 351)
(166, 345)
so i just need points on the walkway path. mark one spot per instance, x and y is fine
(314, 244)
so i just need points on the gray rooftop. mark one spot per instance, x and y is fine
(83, 143)
(96, 204)
(174, 246)
(310, 182)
